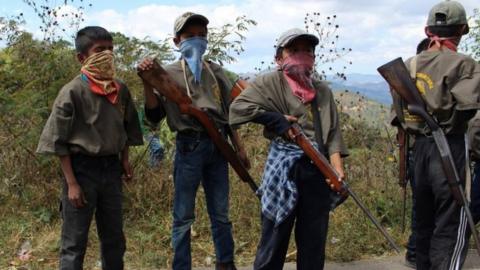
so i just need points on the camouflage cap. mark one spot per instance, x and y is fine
(184, 18)
(290, 35)
(448, 13)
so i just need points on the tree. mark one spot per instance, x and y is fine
(472, 42)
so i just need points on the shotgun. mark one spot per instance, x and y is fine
(163, 83)
(397, 76)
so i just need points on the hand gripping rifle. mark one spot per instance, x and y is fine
(398, 77)
(163, 83)
(334, 181)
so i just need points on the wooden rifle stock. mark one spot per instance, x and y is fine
(237, 88)
(163, 83)
(396, 74)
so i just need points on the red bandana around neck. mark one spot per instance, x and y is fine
(448, 42)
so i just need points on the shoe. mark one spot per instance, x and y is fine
(410, 260)
(225, 266)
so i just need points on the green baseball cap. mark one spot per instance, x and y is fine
(287, 37)
(186, 17)
(448, 13)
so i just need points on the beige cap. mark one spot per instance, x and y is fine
(184, 18)
(290, 35)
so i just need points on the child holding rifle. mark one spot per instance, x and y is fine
(196, 159)
(293, 190)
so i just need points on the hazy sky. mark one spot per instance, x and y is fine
(377, 31)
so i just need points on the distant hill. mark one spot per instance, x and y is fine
(362, 108)
(369, 85)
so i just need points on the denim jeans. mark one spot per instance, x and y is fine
(475, 193)
(197, 160)
(99, 178)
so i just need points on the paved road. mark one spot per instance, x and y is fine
(388, 263)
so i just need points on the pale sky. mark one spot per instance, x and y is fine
(377, 31)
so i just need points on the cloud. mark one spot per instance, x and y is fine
(377, 31)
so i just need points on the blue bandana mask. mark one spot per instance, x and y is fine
(192, 50)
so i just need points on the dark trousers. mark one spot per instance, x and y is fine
(100, 180)
(475, 193)
(310, 218)
(412, 239)
(442, 237)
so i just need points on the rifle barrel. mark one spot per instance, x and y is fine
(372, 218)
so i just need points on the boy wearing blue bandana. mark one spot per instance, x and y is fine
(196, 159)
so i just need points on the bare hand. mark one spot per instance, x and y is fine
(76, 196)
(244, 158)
(127, 170)
(146, 64)
(291, 119)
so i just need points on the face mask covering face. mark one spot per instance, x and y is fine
(298, 69)
(99, 68)
(192, 50)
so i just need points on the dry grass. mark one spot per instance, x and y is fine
(29, 193)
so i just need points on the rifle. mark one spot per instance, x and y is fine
(333, 179)
(403, 169)
(237, 88)
(159, 78)
(398, 77)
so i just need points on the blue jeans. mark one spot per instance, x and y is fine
(475, 194)
(197, 160)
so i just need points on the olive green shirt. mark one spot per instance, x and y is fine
(271, 93)
(450, 85)
(206, 95)
(474, 136)
(84, 122)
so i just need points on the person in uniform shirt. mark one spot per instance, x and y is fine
(293, 190)
(92, 124)
(450, 85)
(197, 160)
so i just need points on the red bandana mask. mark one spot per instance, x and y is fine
(297, 69)
(100, 71)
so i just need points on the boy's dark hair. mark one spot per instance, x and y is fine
(192, 21)
(87, 36)
(447, 31)
(423, 45)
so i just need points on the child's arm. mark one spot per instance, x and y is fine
(75, 193)
(127, 168)
(337, 163)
